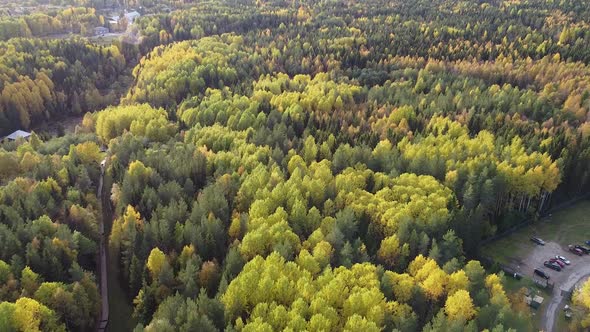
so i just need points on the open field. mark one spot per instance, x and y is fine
(569, 226)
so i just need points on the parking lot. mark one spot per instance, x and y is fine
(517, 251)
(538, 254)
(563, 281)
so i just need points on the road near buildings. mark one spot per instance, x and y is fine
(564, 280)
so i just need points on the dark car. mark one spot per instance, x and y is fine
(585, 250)
(558, 262)
(541, 274)
(552, 266)
(576, 251)
(538, 241)
(511, 272)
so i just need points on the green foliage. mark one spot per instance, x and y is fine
(29, 315)
(322, 166)
(210, 62)
(48, 231)
(140, 120)
(335, 299)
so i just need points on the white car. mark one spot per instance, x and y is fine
(561, 258)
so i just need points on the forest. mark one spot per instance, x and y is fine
(44, 80)
(306, 165)
(79, 20)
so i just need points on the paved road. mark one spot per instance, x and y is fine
(556, 304)
(104, 291)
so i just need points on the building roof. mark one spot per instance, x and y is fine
(18, 134)
(132, 15)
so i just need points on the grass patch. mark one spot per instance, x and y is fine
(512, 286)
(107, 40)
(562, 324)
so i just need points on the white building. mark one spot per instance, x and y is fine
(18, 134)
(132, 16)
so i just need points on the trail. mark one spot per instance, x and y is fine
(104, 291)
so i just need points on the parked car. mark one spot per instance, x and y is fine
(541, 274)
(585, 250)
(558, 262)
(563, 259)
(538, 241)
(575, 250)
(552, 266)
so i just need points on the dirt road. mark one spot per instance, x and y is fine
(555, 307)
(104, 291)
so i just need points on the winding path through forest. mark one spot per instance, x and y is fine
(104, 291)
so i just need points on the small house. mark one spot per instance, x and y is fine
(18, 134)
(535, 301)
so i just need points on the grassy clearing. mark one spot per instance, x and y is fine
(564, 227)
(106, 40)
(512, 285)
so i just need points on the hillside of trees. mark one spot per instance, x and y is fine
(314, 165)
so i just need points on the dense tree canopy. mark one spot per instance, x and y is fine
(325, 148)
(49, 237)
